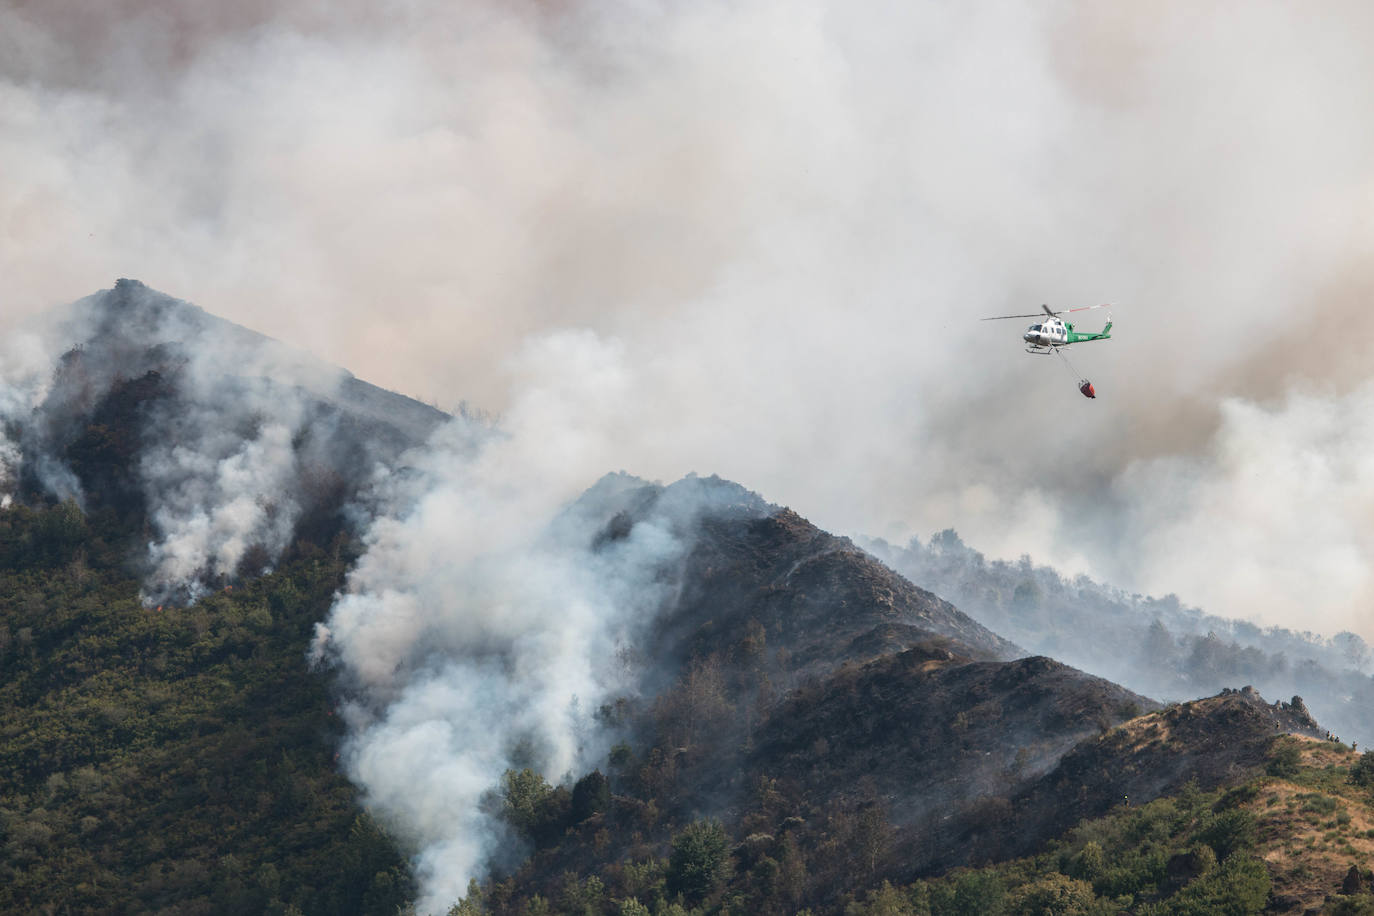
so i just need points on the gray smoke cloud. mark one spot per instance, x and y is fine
(787, 218)
(1294, 483)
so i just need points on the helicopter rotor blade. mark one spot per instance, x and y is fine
(1052, 313)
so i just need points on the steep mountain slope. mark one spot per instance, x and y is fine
(819, 598)
(1315, 827)
(943, 743)
(798, 723)
(1209, 827)
(846, 727)
(1213, 742)
(132, 328)
(1290, 837)
(126, 349)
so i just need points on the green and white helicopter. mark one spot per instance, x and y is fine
(1054, 335)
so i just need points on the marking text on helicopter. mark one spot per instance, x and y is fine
(1054, 335)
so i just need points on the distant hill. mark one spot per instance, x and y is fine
(1154, 645)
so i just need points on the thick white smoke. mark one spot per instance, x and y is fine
(216, 495)
(480, 631)
(25, 372)
(220, 464)
(221, 471)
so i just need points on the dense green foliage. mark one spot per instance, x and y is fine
(698, 861)
(172, 760)
(1362, 774)
(1285, 759)
(1182, 855)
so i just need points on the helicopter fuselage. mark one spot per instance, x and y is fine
(1053, 333)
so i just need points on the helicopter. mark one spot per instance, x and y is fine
(1054, 335)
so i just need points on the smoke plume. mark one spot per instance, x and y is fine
(484, 626)
(224, 437)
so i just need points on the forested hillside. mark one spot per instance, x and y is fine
(192, 516)
(170, 760)
(182, 761)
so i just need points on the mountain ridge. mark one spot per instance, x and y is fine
(820, 721)
(229, 443)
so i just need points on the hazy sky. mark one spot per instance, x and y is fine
(754, 238)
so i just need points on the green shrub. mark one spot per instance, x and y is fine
(1285, 760)
(1350, 905)
(1318, 804)
(590, 795)
(1240, 887)
(698, 860)
(1362, 773)
(1054, 895)
(974, 893)
(1230, 832)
